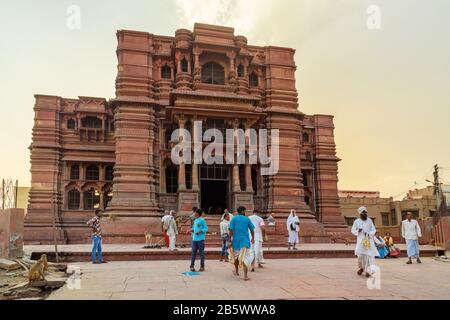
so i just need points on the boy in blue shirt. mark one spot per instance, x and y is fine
(199, 229)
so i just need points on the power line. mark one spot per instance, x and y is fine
(416, 182)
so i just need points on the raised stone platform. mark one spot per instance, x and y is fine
(133, 252)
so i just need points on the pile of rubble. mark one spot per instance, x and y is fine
(28, 279)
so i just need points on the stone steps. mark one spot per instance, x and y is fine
(81, 253)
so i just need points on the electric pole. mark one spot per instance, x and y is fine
(438, 194)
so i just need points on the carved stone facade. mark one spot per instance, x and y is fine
(165, 83)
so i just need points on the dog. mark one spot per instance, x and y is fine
(148, 238)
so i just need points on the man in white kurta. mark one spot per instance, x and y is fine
(411, 233)
(169, 225)
(260, 235)
(366, 251)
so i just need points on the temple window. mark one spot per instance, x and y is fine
(71, 124)
(74, 200)
(184, 65)
(213, 73)
(255, 179)
(172, 179)
(242, 177)
(253, 80)
(107, 197)
(305, 137)
(92, 173)
(75, 172)
(109, 173)
(166, 72)
(307, 200)
(91, 122)
(91, 199)
(305, 178)
(188, 171)
(240, 71)
(111, 126)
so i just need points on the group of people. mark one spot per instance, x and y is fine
(370, 245)
(242, 239)
(385, 246)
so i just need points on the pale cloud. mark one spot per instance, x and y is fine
(264, 21)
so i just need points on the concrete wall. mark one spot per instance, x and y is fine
(11, 233)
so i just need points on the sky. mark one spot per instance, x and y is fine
(381, 67)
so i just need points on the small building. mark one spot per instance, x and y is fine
(387, 212)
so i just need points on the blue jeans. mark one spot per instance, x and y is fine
(224, 252)
(96, 249)
(200, 247)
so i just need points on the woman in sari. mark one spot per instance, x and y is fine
(381, 246)
(393, 251)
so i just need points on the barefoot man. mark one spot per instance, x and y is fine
(240, 242)
(260, 237)
(411, 233)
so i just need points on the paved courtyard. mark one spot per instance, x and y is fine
(281, 279)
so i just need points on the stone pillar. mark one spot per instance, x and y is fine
(327, 177)
(182, 166)
(248, 178)
(236, 179)
(195, 180)
(46, 170)
(232, 72)
(133, 168)
(197, 74)
(187, 199)
(81, 200)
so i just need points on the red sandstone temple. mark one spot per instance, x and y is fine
(116, 154)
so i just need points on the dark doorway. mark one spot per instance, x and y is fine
(214, 195)
(214, 187)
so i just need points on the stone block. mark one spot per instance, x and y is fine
(8, 265)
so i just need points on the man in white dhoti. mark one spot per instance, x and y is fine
(293, 227)
(364, 229)
(169, 227)
(260, 237)
(411, 233)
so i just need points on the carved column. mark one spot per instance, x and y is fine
(195, 180)
(327, 176)
(81, 199)
(197, 78)
(236, 180)
(133, 178)
(45, 197)
(182, 166)
(248, 177)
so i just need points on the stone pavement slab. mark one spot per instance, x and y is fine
(280, 279)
